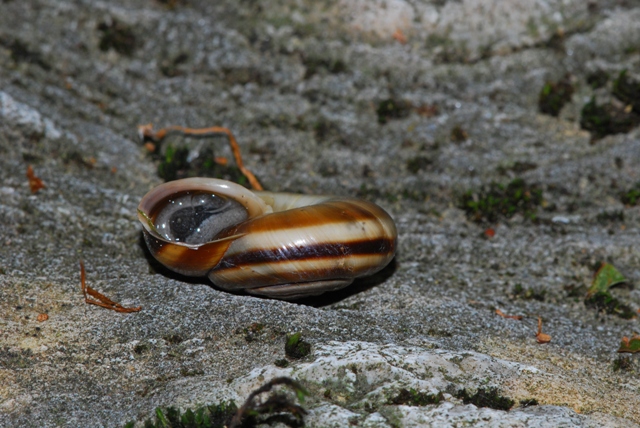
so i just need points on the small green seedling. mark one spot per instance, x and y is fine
(632, 196)
(554, 95)
(599, 297)
(630, 345)
(605, 278)
(296, 348)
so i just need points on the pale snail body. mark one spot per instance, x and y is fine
(279, 245)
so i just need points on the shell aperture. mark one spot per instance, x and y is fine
(196, 217)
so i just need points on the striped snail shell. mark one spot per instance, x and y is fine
(280, 245)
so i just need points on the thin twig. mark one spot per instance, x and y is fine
(503, 315)
(103, 301)
(147, 132)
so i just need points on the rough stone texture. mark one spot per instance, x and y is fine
(299, 84)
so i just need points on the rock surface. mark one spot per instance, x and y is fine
(408, 104)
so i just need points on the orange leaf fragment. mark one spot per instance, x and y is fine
(503, 315)
(489, 232)
(35, 183)
(151, 148)
(427, 110)
(42, 317)
(102, 300)
(399, 36)
(540, 336)
(221, 160)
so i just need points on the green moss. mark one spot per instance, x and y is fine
(190, 372)
(596, 119)
(527, 402)
(630, 50)
(453, 52)
(76, 158)
(605, 302)
(554, 95)
(532, 28)
(182, 161)
(517, 167)
(213, 416)
(173, 339)
(141, 348)
(171, 67)
(439, 333)
(15, 359)
(575, 291)
(418, 163)
(627, 90)
(458, 134)
(370, 407)
(282, 363)
(392, 109)
(117, 36)
(411, 397)
(373, 192)
(556, 41)
(413, 195)
(622, 364)
(323, 65)
(497, 201)
(175, 161)
(281, 20)
(529, 293)
(434, 40)
(296, 348)
(172, 4)
(253, 332)
(243, 74)
(325, 130)
(488, 397)
(632, 196)
(175, 164)
(607, 119)
(304, 30)
(21, 53)
(607, 217)
(597, 79)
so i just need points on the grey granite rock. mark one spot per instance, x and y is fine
(300, 84)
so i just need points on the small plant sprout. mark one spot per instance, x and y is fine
(630, 345)
(102, 300)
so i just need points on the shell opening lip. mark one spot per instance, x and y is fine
(153, 201)
(254, 205)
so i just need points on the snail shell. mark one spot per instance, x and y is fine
(279, 245)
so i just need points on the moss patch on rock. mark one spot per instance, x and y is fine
(497, 201)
